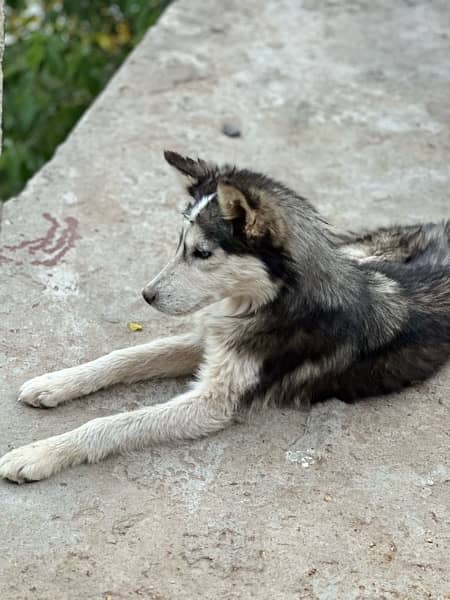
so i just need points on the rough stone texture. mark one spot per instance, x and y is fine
(1, 73)
(349, 103)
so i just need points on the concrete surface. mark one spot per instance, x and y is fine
(2, 41)
(349, 103)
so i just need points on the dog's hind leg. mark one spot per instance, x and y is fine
(191, 415)
(166, 357)
(425, 242)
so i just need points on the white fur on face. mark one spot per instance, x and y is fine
(188, 283)
(201, 204)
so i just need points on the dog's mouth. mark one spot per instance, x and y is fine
(158, 302)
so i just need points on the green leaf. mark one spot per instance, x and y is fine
(60, 60)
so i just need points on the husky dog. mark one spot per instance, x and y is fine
(288, 310)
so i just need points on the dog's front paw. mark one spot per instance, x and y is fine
(35, 461)
(46, 391)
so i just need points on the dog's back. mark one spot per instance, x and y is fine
(393, 332)
(417, 258)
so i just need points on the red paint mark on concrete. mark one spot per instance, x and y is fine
(56, 242)
(38, 243)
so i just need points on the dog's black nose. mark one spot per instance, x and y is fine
(149, 296)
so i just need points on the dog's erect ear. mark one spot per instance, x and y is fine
(258, 215)
(192, 169)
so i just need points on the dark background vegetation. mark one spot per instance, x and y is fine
(59, 55)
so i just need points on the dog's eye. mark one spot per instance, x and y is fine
(203, 254)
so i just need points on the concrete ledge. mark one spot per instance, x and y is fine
(2, 44)
(348, 103)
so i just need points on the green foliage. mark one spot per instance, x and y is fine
(59, 55)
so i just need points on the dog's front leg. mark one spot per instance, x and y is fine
(167, 357)
(191, 415)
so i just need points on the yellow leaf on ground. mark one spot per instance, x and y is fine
(132, 326)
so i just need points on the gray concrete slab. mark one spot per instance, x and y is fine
(2, 41)
(348, 102)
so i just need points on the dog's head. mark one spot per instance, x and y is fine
(232, 242)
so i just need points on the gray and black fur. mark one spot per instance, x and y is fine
(371, 311)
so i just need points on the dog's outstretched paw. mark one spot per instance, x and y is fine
(34, 462)
(46, 391)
